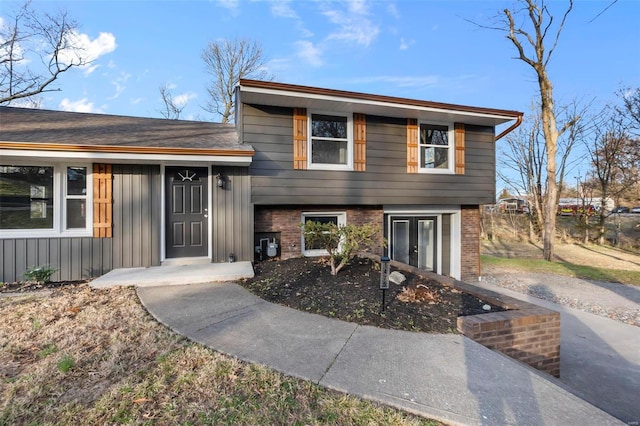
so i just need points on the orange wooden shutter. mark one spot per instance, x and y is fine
(299, 138)
(459, 142)
(102, 200)
(359, 142)
(412, 145)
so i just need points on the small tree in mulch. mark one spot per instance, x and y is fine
(342, 242)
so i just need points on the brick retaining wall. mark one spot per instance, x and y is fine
(526, 332)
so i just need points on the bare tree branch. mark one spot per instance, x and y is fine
(172, 109)
(228, 61)
(48, 37)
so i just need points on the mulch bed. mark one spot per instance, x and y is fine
(354, 295)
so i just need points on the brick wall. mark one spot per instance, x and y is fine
(530, 335)
(525, 332)
(470, 251)
(286, 220)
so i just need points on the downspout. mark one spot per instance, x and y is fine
(501, 135)
(511, 128)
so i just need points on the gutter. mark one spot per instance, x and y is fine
(511, 128)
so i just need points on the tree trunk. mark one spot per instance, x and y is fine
(550, 130)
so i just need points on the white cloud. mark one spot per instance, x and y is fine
(404, 44)
(82, 105)
(181, 100)
(309, 53)
(354, 26)
(136, 101)
(86, 49)
(230, 5)
(119, 84)
(393, 10)
(282, 9)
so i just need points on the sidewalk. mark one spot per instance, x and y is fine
(445, 377)
(599, 357)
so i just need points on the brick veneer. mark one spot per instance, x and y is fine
(470, 250)
(526, 332)
(286, 220)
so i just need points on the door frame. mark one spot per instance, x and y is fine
(163, 201)
(437, 212)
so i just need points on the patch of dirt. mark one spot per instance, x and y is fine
(354, 295)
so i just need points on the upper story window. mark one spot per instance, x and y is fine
(436, 148)
(45, 200)
(330, 141)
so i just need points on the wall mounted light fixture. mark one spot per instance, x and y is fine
(220, 180)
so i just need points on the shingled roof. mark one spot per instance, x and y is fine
(59, 128)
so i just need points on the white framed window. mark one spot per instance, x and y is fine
(45, 200)
(339, 218)
(436, 148)
(330, 144)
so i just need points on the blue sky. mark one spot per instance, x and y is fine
(417, 49)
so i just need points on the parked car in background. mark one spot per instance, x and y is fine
(620, 210)
(635, 210)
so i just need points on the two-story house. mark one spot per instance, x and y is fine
(87, 193)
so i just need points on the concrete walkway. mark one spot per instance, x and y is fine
(599, 357)
(445, 377)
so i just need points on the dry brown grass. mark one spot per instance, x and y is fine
(83, 356)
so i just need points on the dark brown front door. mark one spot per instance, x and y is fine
(187, 212)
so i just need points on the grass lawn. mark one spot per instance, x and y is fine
(90, 357)
(563, 268)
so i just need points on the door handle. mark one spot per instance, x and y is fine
(206, 215)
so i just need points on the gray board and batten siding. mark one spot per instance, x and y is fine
(135, 241)
(385, 182)
(137, 207)
(232, 222)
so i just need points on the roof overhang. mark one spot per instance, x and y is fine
(294, 96)
(128, 154)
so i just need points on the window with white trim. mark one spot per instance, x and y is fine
(339, 218)
(45, 200)
(330, 141)
(436, 148)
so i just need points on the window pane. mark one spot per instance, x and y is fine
(76, 214)
(328, 126)
(26, 197)
(329, 152)
(76, 181)
(434, 135)
(434, 158)
(320, 219)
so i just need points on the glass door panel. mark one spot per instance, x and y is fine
(401, 243)
(426, 242)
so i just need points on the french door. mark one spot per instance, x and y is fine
(413, 241)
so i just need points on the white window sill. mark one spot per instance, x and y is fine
(44, 233)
